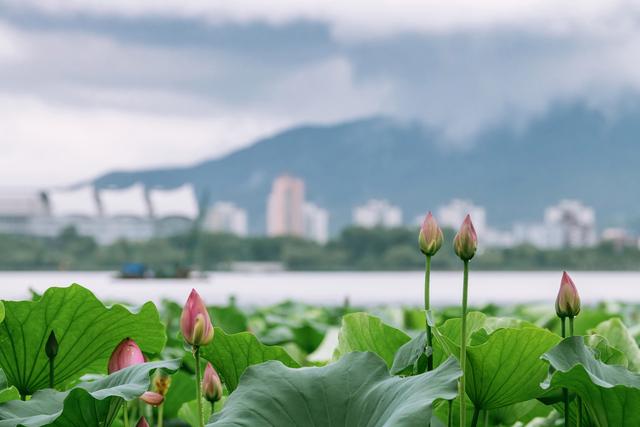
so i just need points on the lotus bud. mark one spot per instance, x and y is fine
(568, 300)
(126, 354)
(211, 385)
(142, 422)
(195, 322)
(466, 241)
(51, 347)
(430, 237)
(152, 398)
(161, 382)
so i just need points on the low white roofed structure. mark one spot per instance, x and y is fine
(125, 202)
(175, 202)
(80, 201)
(25, 203)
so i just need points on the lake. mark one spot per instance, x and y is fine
(331, 288)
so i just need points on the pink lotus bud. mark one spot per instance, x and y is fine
(568, 300)
(126, 354)
(430, 237)
(152, 398)
(142, 422)
(211, 385)
(195, 322)
(466, 241)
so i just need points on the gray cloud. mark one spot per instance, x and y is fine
(223, 74)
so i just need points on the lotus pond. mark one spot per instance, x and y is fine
(68, 359)
(298, 365)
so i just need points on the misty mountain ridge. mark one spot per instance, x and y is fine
(570, 152)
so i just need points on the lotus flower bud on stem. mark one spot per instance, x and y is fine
(142, 422)
(211, 384)
(126, 354)
(466, 241)
(152, 398)
(51, 348)
(195, 322)
(197, 330)
(568, 300)
(430, 237)
(568, 305)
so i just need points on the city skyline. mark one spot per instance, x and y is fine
(131, 212)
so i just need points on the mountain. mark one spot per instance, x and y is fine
(572, 151)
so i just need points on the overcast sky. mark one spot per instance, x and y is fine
(88, 86)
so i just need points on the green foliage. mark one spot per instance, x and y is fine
(363, 332)
(611, 394)
(86, 330)
(356, 390)
(189, 412)
(231, 355)
(619, 337)
(411, 356)
(355, 248)
(7, 393)
(503, 358)
(94, 403)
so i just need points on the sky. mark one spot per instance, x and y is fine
(90, 86)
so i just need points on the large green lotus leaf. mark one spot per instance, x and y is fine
(181, 390)
(605, 352)
(503, 361)
(189, 412)
(88, 404)
(611, 394)
(86, 330)
(619, 337)
(411, 356)
(232, 354)
(7, 393)
(357, 390)
(363, 332)
(479, 327)
(230, 318)
(507, 369)
(1, 311)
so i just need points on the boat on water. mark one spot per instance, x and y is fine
(136, 270)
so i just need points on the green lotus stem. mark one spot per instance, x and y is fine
(565, 392)
(476, 416)
(579, 412)
(486, 418)
(160, 415)
(427, 307)
(125, 414)
(463, 344)
(450, 420)
(196, 355)
(579, 398)
(51, 373)
(571, 326)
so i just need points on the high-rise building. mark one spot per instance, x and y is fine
(285, 207)
(316, 223)
(226, 217)
(377, 213)
(576, 222)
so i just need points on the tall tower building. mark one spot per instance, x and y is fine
(285, 207)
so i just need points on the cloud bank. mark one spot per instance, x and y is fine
(122, 84)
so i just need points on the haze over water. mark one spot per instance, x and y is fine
(323, 288)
